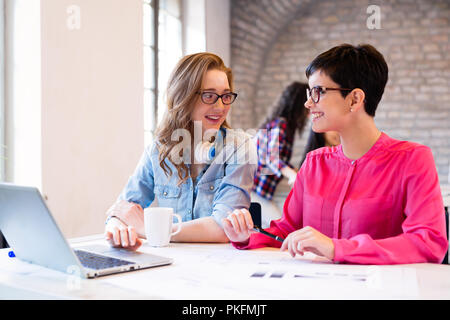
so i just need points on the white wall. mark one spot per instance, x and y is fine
(92, 107)
(87, 109)
(207, 27)
(193, 16)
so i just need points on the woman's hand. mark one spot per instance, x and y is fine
(290, 174)
(130, 214)
(238, 225)
(119, 235)
(308, 239)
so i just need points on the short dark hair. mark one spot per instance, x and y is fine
(352, 67)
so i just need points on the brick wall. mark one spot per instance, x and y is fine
(273, 42)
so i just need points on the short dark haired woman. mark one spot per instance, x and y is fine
(373, 199)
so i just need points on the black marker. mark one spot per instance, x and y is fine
(258, 229)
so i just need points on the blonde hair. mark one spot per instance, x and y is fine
(181, 94)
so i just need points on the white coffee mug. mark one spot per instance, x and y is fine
(158, 225)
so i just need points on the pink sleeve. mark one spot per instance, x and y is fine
(424, 236)
(289, 222)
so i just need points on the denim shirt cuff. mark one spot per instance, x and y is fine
(220, 212)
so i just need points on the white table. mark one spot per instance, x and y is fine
(219, 271)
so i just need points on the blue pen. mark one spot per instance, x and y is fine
(11, 254)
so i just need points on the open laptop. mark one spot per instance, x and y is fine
(31, 231)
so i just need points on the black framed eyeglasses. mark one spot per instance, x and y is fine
(315, 92)
(212, 97)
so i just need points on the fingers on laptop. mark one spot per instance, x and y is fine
(119, 235)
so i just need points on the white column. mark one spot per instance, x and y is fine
(218, 28)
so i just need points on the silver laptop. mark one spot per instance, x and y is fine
(34, 236)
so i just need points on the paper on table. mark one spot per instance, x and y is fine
(211, 272)
(218, 274)
(225, 256)
(398, 281)
(324, 281)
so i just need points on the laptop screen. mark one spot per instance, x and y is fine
(30, 229)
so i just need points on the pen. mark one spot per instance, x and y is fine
(258, 229)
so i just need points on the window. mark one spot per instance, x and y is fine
(22, 74)
(150, 70)
(169, 46)
(3, 243)
(165, 38)
(2, 93)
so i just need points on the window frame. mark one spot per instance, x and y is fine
(3, 243)
(2, 93)
(153, 90)
(156, 90)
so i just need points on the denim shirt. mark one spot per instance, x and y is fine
(222, 186)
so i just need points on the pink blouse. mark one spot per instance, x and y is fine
(384, 208)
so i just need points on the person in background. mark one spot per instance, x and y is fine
(275, 174)
(371, 200)
(318, 140)
(202, 191)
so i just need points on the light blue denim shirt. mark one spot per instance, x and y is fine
(222, 186)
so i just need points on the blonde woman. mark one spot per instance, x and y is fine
(174, 171)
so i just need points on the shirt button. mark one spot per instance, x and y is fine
(165, 193)
(211, 187)
(189, 210)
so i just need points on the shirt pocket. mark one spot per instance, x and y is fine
(205, 196)
(367, 216)
(207, 190)
(167, 196)
(312, 211)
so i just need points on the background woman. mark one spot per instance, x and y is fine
(318, 140)
(275, 174)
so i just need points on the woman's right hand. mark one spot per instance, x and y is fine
(125, 226)
(238, 225)
(119, 235)
(129, 213)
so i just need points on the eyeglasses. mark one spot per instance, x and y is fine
(211, 97)
(315, 92)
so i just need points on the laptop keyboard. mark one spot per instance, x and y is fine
(97, 261)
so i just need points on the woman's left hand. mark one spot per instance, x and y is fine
(308, 239)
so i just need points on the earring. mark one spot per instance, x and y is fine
(351, 109)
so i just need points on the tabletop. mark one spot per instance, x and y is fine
(219, 271)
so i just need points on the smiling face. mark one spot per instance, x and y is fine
(331, 113)
(212, 115)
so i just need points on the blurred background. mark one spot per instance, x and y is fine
(82, 81)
